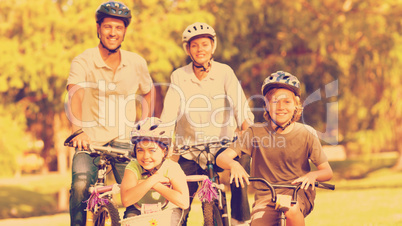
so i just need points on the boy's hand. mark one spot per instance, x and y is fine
(238, 173)
(306, 180)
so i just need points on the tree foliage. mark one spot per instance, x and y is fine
(355, 43)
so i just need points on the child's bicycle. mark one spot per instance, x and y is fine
(101, 209)
(215, 210)
(283, 202)
(159, 216)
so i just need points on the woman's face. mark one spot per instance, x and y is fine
(201, 49)
(149, 154)
(111, 32)
(281, 105)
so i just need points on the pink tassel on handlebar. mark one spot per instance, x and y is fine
(207, 192)
(95, 200)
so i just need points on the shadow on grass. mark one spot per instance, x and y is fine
(18, 202)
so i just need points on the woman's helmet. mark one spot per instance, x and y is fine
(281, 79)
(113, 9)
(198, 29)
(150, 129)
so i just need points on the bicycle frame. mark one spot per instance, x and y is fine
(100, 206)
(211, 173)
(284, 205)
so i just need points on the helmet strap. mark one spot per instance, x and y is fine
(284, 126)
(198, 65)
(110, 50)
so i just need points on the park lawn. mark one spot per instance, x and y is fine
(374, 200)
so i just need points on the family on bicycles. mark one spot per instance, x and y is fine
(204, 102)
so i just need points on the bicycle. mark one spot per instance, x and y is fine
(284, 202)
(159, 216)
(215, 211)
(101, 209)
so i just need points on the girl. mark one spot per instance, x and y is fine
(281, 149)
(141, 189)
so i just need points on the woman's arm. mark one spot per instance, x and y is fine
(178, 194)
(132, 190)
(323, 173)
(225, 160)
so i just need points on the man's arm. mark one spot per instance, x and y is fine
(74, 113)
(148, 103)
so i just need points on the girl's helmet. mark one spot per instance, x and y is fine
(113, 9)
(281, 79)
(198, 29)
(150, 129)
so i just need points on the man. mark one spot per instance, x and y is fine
(102, 87)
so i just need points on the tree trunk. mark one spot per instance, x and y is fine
(47, 117)
(398, 145)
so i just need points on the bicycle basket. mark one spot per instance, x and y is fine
(157, 218)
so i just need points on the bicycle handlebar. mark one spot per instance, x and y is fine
(120, 154)
(295, 187)
(183, 149)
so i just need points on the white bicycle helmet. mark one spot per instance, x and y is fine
(281, 79)
(197, 29)
(151, 129)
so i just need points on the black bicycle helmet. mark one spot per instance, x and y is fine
(113, 9)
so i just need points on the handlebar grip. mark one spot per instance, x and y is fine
(325, 185)
(67, 142)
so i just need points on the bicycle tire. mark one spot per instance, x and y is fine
(221, 213)
(213, 216)
(106, 213)
(208, 213)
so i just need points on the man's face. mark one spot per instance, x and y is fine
(111, 32)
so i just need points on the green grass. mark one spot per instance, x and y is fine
(373, 200)
(358, 207)
(31, 195)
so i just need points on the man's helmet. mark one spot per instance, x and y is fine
(198, 29)
(113, 9)
(150, 129)
(281, 79)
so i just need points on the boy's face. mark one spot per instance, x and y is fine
(111, 32)
(281, 105)
(149, 154)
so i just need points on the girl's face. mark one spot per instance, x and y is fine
(149, 154)
(281, 105)
(201, 49)
(111, 32)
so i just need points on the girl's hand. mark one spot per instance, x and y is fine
(306, 181)
(238, 173)
(159, 178)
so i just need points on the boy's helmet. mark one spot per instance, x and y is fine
(113, 9)
(198, 29)
(150, 129)
(281, 79)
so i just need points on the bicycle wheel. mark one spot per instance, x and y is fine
(107, 215)
(221, 213)
(208, 209)
(213, 215)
